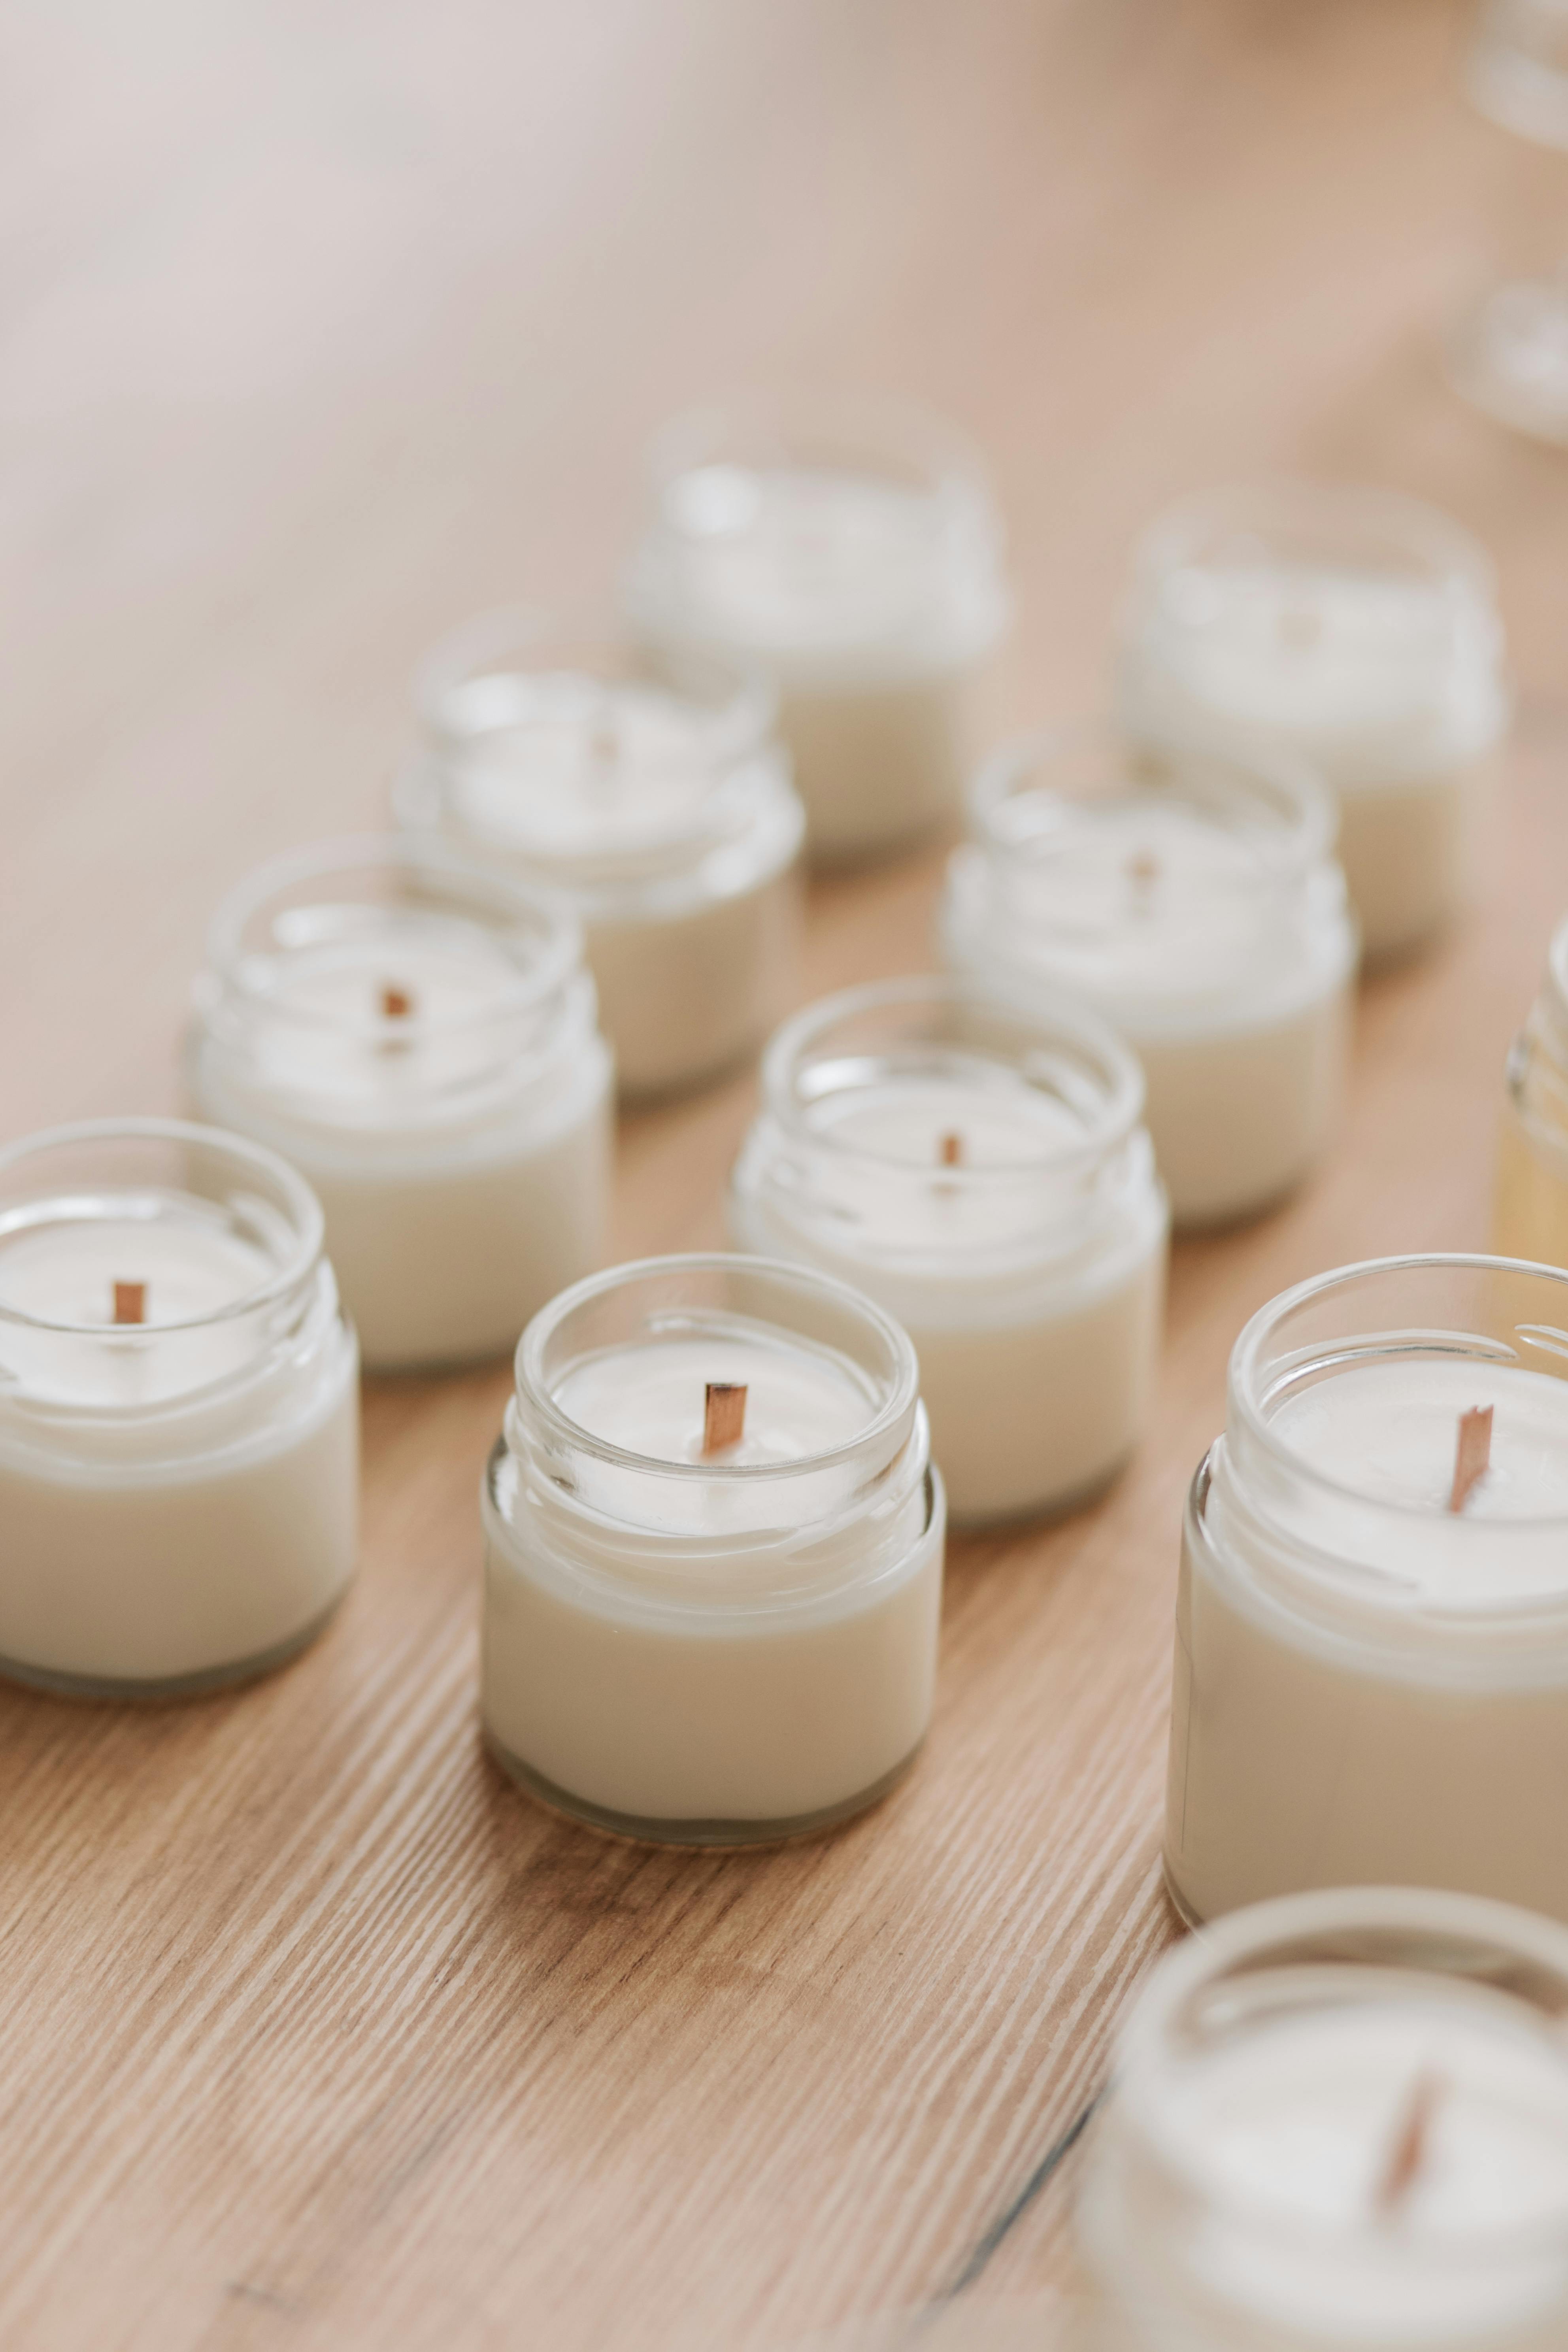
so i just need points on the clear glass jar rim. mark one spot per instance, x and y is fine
(513, 903)
(1060, 1020)
(303, 1209)
(1244, 1372)
(882, 424)
(1283, 500)
(531, 1388)
(1557, 972)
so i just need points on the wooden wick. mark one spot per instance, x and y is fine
(723, 1416)
(949, 1150)
(1142, 873)
(396, 1003)
(1472, 1455)
(1407, 2151)
(130, 1302)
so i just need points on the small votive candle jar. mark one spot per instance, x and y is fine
(179, 1413)
(856, 555)
(659, 809)
(1353, 627)
(1192, 900)
(713, 1553)
(1372, 1635)
(1531, 1212)
(1340, 2121)
(419, 1040)
(977, 1165)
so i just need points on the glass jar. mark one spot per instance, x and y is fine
(659, 809)
(1191, 899)
(1355, 629)
(179, 1432)
(854, 552)
(1531, 1212)
(975, 1164)
(419, 1039)
(1340, 2120)
(710, 1643)
(1372, 1644)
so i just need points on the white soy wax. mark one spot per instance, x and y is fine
(856, 559)
(1193, 903)
(977, 1166)
(420, 1042)
(1341, 2120)
(178, 1412)
(1372, 1681)
(1353, 628)
(660, 811)
(700, 1643)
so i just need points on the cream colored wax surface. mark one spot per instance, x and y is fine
(178, 1501)
(460, 1150)
(1383, 1700)
(871, 603)
(673, 835)
(1036, 1322)
(717, 1680)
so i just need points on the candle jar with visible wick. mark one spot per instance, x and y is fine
(419, 1040)
(1371, 1636)
(854, 552)
(713, 1551)
(1355, 629)
(976, 1164)
(658, 808)
(1192, 901)
(1340, 2120)
(179, 1430)
(1531, 1212)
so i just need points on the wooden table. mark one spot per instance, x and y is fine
(323, 328)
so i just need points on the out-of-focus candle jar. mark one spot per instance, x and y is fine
(1192, 900)
(659, 810)
(1371, 1685)
(856, 556)
(1340, 2121)
(975, 1165)
(711, 1647)
(1358, 629)
(419, 1040)
(179, 1412)
(1531, 1212)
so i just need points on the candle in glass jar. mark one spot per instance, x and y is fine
(1372, 1651)
(1358, 630)
(856, 559)
(1193, 903)
(1341, 2120)
(1530, 1217)
(977, 1165)
(419, 1040)
(659, 811)
(713, 1554)
(178, 1412)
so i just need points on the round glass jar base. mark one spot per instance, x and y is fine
(721, 1833)
(121, 1690)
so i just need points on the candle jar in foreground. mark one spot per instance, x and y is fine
(1531, 1212)
(713, 1552)
(419, 1040)
(1192, 900)
(1340, 2120)
(1372, 1638)
(1353, 627)
(977, 1165)
(659, 809)
(854, 554)
(179, 1431)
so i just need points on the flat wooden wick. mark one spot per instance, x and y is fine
(723, 1416)
(130, 1302)
(396, 1003)
(1472, 1455)
(949, 1150)
(1142, 873)
(1407, 2151)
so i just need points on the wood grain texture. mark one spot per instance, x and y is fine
(322, 329)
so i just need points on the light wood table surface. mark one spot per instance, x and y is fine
(322, 327)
